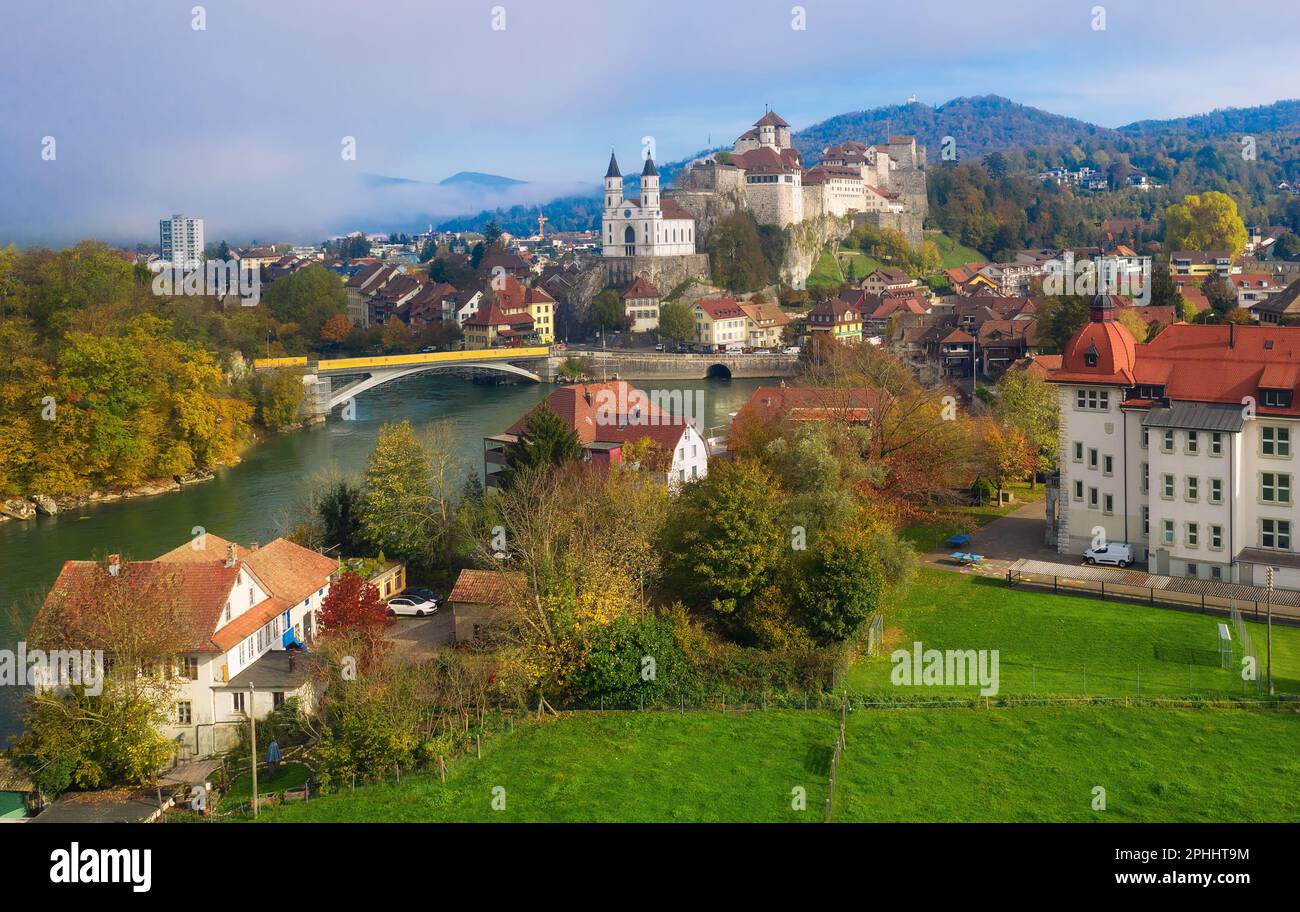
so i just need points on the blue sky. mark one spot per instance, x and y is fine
(242, 122)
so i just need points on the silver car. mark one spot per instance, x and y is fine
(411, 606)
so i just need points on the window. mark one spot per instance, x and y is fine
(1193, 487)
(1108, 503)
(1193, 443)
(1078, 451)
(1078, 490)
(1092, 458)
(1216, 444)
(1216, 536)
(1275, 533)
(1216, 573)
(1092, 498)
(237, 702)
(1193, 531)
(227, 612)
(184, 713)
(277, 699)
(1167, 483)
(1146, 438)
(1146, 476)
(1275, 441)
(1216, 490)
(1167, 442)
(250, 596)
(189, 667)
(1146, 522)
(1193, 570)
(1277, 398)
(1275, 487)
(1092, 400)
(1168, 529)
(1108, 465)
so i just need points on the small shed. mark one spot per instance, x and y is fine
(476, 600)
(16, 791)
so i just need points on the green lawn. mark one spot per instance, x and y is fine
(1064, 644)
(288, 776)
(825, 271)
(1013, 764)
(613, 767)
(952, 253)
(1042, 763)
(927, 535)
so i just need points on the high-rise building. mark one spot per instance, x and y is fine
(182, 241)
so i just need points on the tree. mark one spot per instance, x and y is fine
(1029, 403)
(1007, 455)
(737, 254)
(727, 542)
(842, 584)
(546, 442)
(1059, 318)
(399, 494)
(1287, 246)
(607, 311)
(676, 321)
(353, 607)
(308, 297)
(339, 511)
(1219, 293)
(336, 329)
(1205, 222)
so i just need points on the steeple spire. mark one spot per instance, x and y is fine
(649, 170)
(613, 166)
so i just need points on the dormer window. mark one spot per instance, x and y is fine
(1276, 398)
(1090, 356)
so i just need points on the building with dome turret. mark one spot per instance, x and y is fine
(1184, 447)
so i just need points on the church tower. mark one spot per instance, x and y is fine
(649, 185)
(613, 183)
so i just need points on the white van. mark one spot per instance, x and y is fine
(1118, 553)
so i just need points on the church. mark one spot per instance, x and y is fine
(648, 226)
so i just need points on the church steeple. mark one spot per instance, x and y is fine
(650, 185)
(613, 183)
(613, 166)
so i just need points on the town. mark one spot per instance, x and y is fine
(912, 464)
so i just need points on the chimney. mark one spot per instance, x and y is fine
(114, 564)
(230, 555)
(1232, 334)
(252, 546)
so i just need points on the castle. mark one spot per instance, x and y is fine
(654, 236)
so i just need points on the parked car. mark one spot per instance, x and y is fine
(419, 592)
(659, 346)
(792, 350)
(1119, 554)
(411, 606)
(762, 351)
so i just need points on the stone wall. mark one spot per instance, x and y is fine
(906, 223)
(657, 366)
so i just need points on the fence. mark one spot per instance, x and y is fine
(1203, 596)
(835, 765)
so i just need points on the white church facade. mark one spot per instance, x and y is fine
(647, 225)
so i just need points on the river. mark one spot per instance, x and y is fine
(252, 501)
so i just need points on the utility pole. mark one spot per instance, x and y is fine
(252, 738)
(1268, 600)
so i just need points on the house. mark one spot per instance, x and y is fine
(811, 403)
(1010, 278)
(836, 319)
(641, 305)
(883, 280)
(1200, 263)
(365, 282)
(877, 309)
(476, 600)
(502, 264)
(957, 354)
(765, 324)
(246, 611)
(608, 418)
(492, 327)
(720, 322)
(1003, 342)
(513, 298)
(1253, 287)
(1184, 446)
(1283, 307)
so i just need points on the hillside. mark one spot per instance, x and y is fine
(979, 124)
(1280, 116)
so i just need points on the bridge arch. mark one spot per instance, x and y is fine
(718, 372)
(380, 377)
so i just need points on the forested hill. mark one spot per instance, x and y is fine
(1281, 117)
(980, 124)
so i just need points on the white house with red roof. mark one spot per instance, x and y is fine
(1184, 447)
(248, 612)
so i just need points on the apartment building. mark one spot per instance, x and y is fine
(181, 239)
(1184, 447)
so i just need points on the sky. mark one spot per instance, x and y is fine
(243, 122)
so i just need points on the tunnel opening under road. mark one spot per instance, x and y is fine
(718, 372)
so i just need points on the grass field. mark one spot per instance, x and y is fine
(1062, 644)
(1021, 764)
(927, 535)
(952, 253)
(825, 271)
(288, 776)
(1042, 763)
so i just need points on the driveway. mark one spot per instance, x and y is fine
(417, 639)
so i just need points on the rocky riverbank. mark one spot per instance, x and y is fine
(31, 506)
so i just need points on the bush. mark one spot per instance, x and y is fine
(632, 662)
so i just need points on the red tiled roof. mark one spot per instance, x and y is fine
(813, 403)
(640, 288)
(484, 587)
(248, 623)
(720, 308)
(672, 209)
(614, 412)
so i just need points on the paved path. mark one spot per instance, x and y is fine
(1003, 542)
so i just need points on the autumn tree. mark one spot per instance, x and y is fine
(1006, 455)
(353, 608)
(676, 321)
(398, 514)
(336, 329)
(1205, 222)
(1030, 404)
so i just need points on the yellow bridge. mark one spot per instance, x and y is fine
(381, 369)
